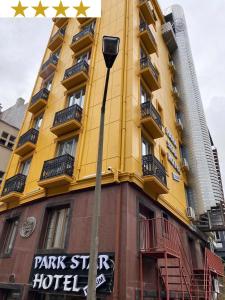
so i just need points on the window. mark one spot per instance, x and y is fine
(143, 53)
(67, 147)
(7, 140)
(188, 194)
(5, 135)
(160, 111)
(57, 222)
(25, 166)
(1, 176)
(12, 295)
(86, 56)
(77, 98)
(37, 122)
(9, 236)
(146, 147)
(47, 84)
(163, 159)
(144, 95)
(57, 53)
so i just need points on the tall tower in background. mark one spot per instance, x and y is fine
(203, 179)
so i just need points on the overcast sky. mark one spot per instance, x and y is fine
(23, 42)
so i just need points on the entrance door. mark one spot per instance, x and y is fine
(146, 227)
(12, 295)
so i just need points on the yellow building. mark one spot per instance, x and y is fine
(47, 194)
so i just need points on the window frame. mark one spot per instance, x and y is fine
(43, 232)
(64, 141)
(5, 235)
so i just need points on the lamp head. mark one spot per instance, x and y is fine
(110, 50)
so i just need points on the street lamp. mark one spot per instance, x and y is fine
(110, 49)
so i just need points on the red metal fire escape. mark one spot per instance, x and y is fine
(161, 241)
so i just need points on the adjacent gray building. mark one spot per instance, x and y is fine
(10, 123)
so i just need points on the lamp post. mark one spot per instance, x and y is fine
(110, 49)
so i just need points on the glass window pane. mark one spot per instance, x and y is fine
(57, 228)
(37, 122)
(66, 147)
(25, 166)
(11, 230)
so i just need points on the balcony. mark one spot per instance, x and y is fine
(154, 174)
(13, 188)
(67, 120)
(151, 120)
(38, 101)
(57, 172)
(158, 236)
(169, 37)
(146, 11)
(76, 75)
(150, 74)
(84, 20)
(82, 39)
(56, 40)
(27, 142)
(147, 38)
(49, 66)
(60, 22)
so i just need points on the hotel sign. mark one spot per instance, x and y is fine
(68, 273)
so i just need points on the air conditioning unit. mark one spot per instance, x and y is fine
(185, 165)
(191, 213)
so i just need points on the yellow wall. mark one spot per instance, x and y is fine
(122, 144)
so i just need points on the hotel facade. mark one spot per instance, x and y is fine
(161, 204)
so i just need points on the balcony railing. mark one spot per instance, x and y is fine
(60, 32)
(42, 94)
(14, 184)
(79, 67)
(30, 136)
(67, 114)
(52, 60)
(146, 63)
(158, 235)
(148, 110)
(214, 262)
(151, 166)
(87, 30)
(62, 165)
(144, 26)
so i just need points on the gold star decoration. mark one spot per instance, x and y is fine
(60, 9)
(19, 9)
(81, 9)
(40, 9)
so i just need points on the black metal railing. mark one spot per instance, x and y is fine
(78, 67)
(14, 184)
(151, 166)
(42, 94)
(67, 114)
(87, 30)
(53, 59)
(60, 32)
(144, 26)
(148, 110)
(146, 63)
(30, 136)
(62, 165)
